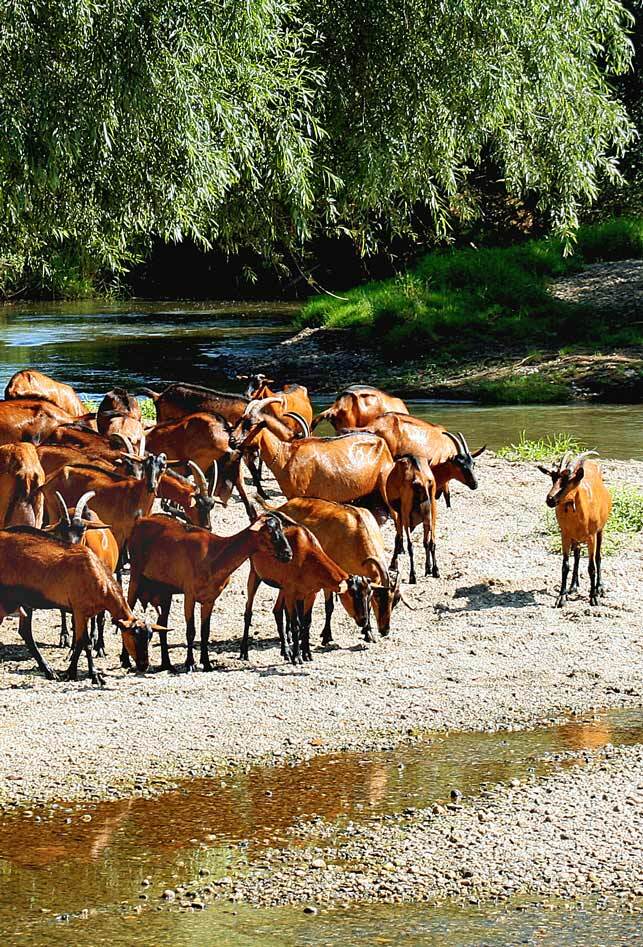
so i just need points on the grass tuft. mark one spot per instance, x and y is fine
(548, 448)
(527, 389)
(148, 410)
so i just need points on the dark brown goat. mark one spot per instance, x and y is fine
(181, 398)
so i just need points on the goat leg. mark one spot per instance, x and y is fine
(305, 621)
(99, 649)
(329, 605)
(409, 546)
(576, 549)
(295, 632)
(253, 584)
(284, 637)
(591, 568)
(398, 549)
(600, 588)
(206, 612)
(64, 640)
(164, 617)
(562, 595)
(26, 633)
(190, 663)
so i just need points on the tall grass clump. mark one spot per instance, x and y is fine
(548, 448)
(471, 297)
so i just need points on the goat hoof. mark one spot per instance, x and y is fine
(245, 657)
(168, 667)
(207, 666)
(100, 653)
(69, 675)
(190, 667)
(601, 590)
(560, 601)
(436, 572)
(50, 674)
(413, 579)
(593, 600)
(64, 642)
(98, 679)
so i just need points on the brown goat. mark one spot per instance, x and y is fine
(120, 413)
(344, 468)
(182, 398)
(300, 580)
(39, 571)
(583, 505)
(351, 537)
(169, 558)
(30, 383)
(21, 474)
(357, 406)
(29, 420)
(410, 490)
(192, 502)
(293, 399)
(118, 498)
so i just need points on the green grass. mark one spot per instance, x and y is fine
(473, 298)
(626, 520)
(546, 449)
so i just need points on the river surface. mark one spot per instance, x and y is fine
(95, 345)
(72, 873)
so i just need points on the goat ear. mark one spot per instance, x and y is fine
(547, 472)
(158, 628)
(99, 525)
(342, 587)
(173, 463)
(256, 526)
(580, 473)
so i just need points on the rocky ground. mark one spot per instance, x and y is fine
(570, 835)
(484, 649)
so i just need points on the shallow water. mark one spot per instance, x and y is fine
(93, 857)
(95, 345)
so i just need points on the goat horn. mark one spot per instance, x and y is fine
(198, 473)
(128, 444)
(455, 440)
(82, 503)
(215, 479)
(465, 446)
(63, 509)
(301, 421)
(581, 457)
(384, 578)
(406, 602)
(565, 461)
(141, 446)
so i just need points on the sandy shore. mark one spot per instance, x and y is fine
(485, 650)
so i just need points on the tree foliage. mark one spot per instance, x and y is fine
(262, 122)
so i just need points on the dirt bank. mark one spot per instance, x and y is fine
(332, 358)
(486, 649)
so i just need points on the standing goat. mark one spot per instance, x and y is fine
(410, 490)
(21, 474)
(583, 505)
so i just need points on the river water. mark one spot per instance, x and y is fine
(72, 873)
(95, 345)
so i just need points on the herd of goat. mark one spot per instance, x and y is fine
(59, 552)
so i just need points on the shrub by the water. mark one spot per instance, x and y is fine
(548, 448)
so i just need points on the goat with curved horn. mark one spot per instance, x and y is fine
(82, 503)
(200, 477)
(300, 421)
(64, 512)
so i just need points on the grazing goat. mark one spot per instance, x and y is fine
(410, 490)
(21, 474)
(181, 398)
(299, 580)
(351, 537)
(583, 505)
(40, 571)
(345, 468)
(357, 406)
(120, 413)
(29, 420)
(118, 497)
(53, 456)
(169, 558)
(30, 383)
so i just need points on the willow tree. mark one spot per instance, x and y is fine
(262, 122)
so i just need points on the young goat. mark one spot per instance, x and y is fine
(583, 505)
(308, 572)
(410, 490)
(168, 558)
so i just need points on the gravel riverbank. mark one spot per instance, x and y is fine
(576, 833)
(485, 649)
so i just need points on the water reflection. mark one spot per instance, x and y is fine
(68, 862)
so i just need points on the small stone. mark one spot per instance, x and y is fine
(145, 883)
(318, 863)
(456, 794)
(169, 895)
(86, 818)
(204, 872)
(198, 905)
(309, 909)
